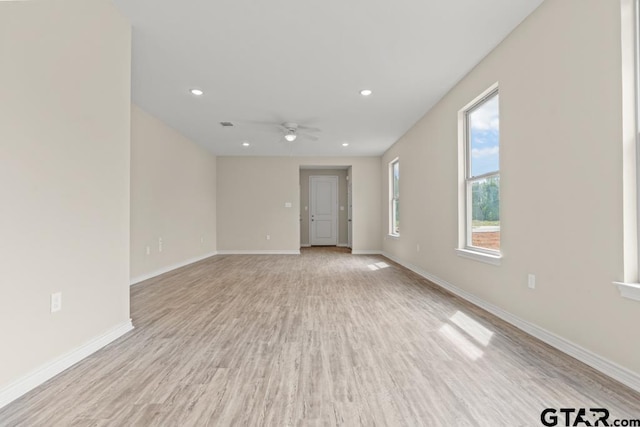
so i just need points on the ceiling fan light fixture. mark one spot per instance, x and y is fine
(366, 92)
(196, 92)
(245, 144)
(291, 136)
(345, 144)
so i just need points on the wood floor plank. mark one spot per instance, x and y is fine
(324, 338)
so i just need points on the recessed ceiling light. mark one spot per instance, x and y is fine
(345, 144)
(366, 92)
(197, 92)
(245, 144)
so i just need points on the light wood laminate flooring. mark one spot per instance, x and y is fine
(324, 338)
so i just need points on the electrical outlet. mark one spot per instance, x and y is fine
(201, 239)
(531, 281)
(418, 247)
(56, 302)
(159, 244)
(148, 250)
(268, 236)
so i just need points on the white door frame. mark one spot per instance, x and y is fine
(349, 211)
(334, 210)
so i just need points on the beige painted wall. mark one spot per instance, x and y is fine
(342, 202)
(561, 157)
(173, 197)
(64, 178)
(252, 192)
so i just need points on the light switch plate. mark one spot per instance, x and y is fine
(531, 281)
(56, 302)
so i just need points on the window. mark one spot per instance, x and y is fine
(394, 198)
(636, 129)
(629, 286)
(481, 215)
(636, 63)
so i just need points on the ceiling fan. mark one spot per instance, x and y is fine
(290, 131)
(293, 130)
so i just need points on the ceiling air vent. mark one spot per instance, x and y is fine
(226, 124)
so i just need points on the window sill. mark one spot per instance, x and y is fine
(479, 256)
(393, 236)
(629, 290)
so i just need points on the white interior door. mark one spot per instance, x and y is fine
(323, 210)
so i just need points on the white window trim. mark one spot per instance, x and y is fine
(629, 287)
(487, 258)
(464, 231)
(629, 290)
(392, 198)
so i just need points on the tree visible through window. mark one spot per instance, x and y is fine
(482, 123)
(394, 190)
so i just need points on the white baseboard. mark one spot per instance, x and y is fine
(340, 245)
(51, 369)
(366, 252)
(259, 252)
(607, 367)
(167, 269)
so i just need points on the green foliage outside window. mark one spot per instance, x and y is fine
(485, 199)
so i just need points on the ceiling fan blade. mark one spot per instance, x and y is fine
(269, 127)
(308, 136)
(310, 129)
(279, 140)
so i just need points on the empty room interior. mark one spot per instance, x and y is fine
(319, 213)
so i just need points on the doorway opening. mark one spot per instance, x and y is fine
(325, 206)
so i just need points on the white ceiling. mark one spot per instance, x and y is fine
(305, 61)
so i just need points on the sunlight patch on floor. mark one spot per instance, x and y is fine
(461, 342)
(481, 334)
(378, 266)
